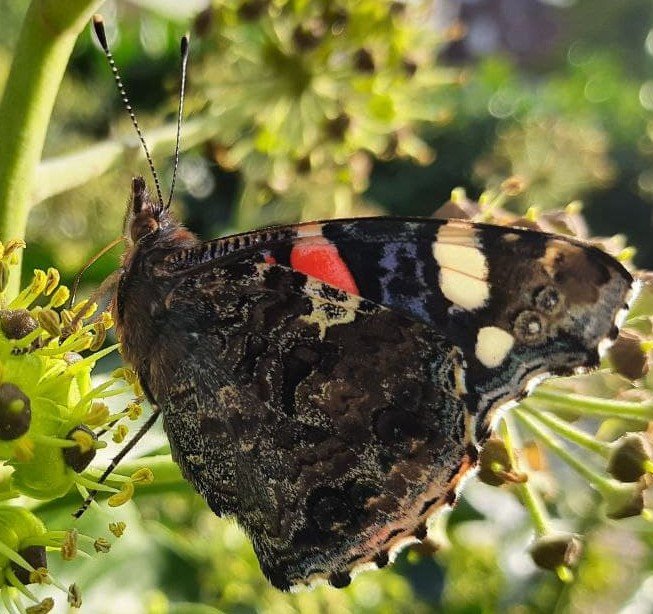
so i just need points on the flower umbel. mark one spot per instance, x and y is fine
(51, 418)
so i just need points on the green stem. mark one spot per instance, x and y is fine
(46, 41)
(585, 405)
(601, 483)
(568, 431)
(531, 500)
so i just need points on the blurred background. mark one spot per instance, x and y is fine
(316, 109)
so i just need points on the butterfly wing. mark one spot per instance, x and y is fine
(520, 304)
(326, 383)
(331, 427)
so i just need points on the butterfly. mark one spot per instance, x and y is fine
(329, 384)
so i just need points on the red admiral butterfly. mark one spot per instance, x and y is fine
(330, 384)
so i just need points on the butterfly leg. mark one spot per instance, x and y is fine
(116, 459)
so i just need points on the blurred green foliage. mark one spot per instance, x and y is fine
(343, 108)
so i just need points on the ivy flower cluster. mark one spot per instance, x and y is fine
(305, 92)
(51, 420)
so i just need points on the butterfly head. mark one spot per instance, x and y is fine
(150, 222)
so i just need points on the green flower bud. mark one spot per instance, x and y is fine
(628, 457)
(627, 355)
(36, 557)
(495, 466)
(337, 127)
(17, 323)
(307, 36)
(80, 457)
(15, 412)
(625, 502)
(363, 61)
(556, 550)
(251, 10)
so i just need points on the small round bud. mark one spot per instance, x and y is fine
(628, 458)
(80, 456)
(627, 355)
(17, 323)
(251, 10)
(556, 550)
(306, 36)
(495, 466)
(36, 557)
(15, 412)
(626, 502)
(363, 61)
(337, 127)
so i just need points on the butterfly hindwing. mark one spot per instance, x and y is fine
(330, 426)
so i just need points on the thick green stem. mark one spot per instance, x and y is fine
(46, 41)
(577, 403)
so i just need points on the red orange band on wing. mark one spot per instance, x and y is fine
(320, 259)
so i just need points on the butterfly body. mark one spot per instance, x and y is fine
(330, 384)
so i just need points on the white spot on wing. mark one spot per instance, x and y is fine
(463, 266)
(464, 291)
(493, 345)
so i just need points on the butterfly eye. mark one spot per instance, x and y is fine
(143, 227)
(548, 300)
(529, 327)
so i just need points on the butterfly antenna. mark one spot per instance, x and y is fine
(116, 460)
(182, 93)
(98, 26)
